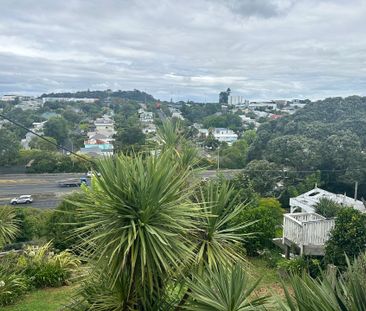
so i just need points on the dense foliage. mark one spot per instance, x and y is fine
(130, 95)
(326, 135)
(347, 238)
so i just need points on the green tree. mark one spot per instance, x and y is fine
(264, 176)
(347, 238)
(142, 230)
(9, 147)
(63, 222)
(57, 128)
(41, 144)
(131, 138)
(235, 156)
(267, 219)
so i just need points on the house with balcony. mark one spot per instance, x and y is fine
(305, 231)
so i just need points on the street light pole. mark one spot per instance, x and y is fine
(218, 158)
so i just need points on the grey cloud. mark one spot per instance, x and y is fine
(185, 50)
(260, 8)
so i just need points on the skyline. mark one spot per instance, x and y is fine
(275, 49)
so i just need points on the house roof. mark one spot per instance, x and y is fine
(308, 200)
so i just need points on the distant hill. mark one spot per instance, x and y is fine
(130, 95)
(327, 135)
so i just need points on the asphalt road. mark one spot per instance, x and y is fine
(45, 190)
(43, 187)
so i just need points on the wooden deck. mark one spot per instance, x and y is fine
(307, 232)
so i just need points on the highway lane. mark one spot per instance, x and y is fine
(45, 190)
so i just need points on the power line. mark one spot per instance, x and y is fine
(42, 137)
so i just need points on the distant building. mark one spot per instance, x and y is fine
(149, 129)
(177, 115)
(262, 105)
(221, 134)
(70, 99)
(146, 117)
(100, 141)
(37, 127)
(237, 101)
(9, 98)
(29, 103)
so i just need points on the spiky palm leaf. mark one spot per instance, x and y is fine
(332, 292)
(9, 225)
(224, 289)
(138, 219)
(219, 234)
(169, 134)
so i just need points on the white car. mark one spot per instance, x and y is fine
(92, 173)
(23, 199)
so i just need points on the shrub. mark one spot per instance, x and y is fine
(8, 225)
(327, 208)
(12, 286)
(268, 217)
(299, 265)
(32, 223)
(348, 237)
(62, 222)
(44, 268)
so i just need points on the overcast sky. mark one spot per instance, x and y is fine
(191, 49)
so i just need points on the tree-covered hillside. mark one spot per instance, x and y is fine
(128, 95)
(327, 135)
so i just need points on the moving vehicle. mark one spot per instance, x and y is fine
(23, 199)
(74, 182)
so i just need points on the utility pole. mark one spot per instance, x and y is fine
(218, 158)
(356, 189)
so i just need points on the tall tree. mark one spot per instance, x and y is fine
(56, 127)
(9, 147)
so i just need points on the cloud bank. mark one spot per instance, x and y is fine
(262, 49)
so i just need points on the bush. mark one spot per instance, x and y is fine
(32, 223)
(44, 268)
(348, 237)
(268, 217)
(299, 265)
(12, 286)
(327, 208)
(63, 222)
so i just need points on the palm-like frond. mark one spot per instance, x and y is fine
(170, 134)
(331, 292)
(138, 218)
(223, 289)
(8, 225)
(219, 234)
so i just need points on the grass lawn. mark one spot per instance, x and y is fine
(270, 283)
(52, 299)
(49, 299)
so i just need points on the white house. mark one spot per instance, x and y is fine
(225, 135)
(306, 230)
(221, 134)
(146, 117)
(178, 115)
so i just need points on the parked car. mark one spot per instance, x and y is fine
(23, 199)
(92, 173)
